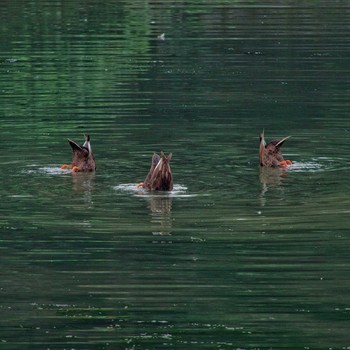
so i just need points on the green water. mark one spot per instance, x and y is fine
(234, 257)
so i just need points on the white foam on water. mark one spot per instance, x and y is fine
(48, 171)
(178, 191)
(305, 166)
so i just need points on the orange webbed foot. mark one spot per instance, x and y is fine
(75, 169)
(65, 166)
(139, 185)
(285, 163)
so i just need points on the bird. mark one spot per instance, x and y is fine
(83, 158)
(159, 177)
(155, 161)
(270, 154)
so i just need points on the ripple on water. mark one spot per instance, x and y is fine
(178, 191)
(305, 166)
(48, 171)
(318, 164)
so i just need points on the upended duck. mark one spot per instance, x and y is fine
(83, 158)
(159, 177)
(270, 154)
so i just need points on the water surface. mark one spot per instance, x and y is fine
(236, 257)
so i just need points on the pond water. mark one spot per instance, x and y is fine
(235, 257)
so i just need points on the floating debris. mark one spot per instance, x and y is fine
(161, 37)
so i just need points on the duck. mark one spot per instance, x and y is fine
(159, 177)
(154, 162)
(270, 154)
(83, 158)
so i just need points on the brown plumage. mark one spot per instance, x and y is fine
(270, 154)
(159, 177)
(83, 158)
(155, 161)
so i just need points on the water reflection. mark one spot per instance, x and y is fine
(270, 178)
(83, 182)
(161, 206)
